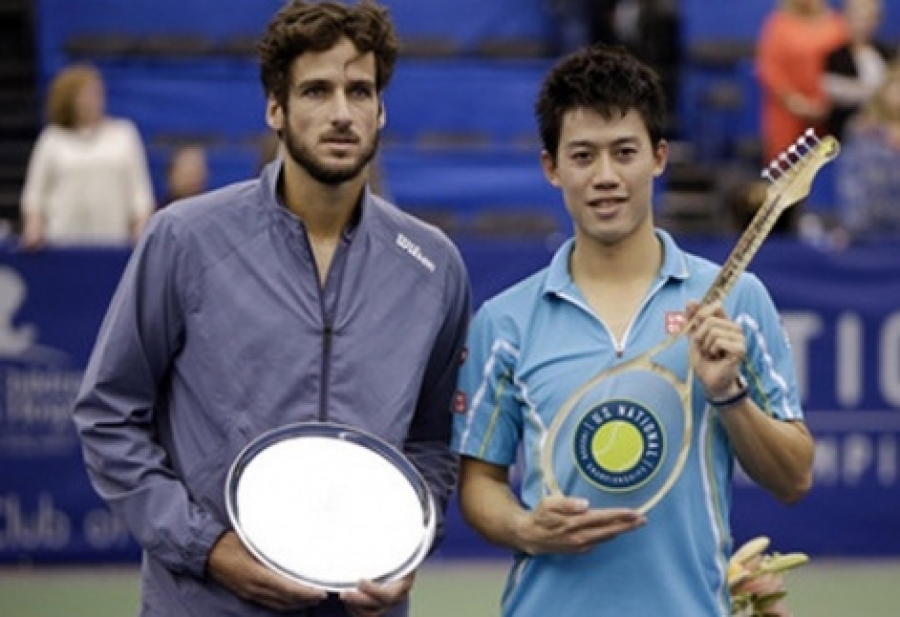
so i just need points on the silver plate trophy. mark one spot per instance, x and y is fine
(328, 505)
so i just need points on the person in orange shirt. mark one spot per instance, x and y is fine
(795, 39)
(790, 56)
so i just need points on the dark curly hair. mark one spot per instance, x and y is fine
(303, 26)
(603, 78)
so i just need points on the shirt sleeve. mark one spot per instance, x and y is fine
(491, 427)
(774, 76)
(769, 363)
(38, 174)
(115, 410)
(428, 442)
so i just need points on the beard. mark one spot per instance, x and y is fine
(327, 174)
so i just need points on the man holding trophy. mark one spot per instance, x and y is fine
(298, 302)
(620, 396)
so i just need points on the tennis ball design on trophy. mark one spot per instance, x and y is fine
(619, 445)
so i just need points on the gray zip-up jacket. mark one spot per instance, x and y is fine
(219, 331)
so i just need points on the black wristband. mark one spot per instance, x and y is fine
(742, 393)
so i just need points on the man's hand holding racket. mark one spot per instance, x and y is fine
(717, 348)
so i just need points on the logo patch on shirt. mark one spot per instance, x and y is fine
(415, 251)
(460, 404)
(675, 321)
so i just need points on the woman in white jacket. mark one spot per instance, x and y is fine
(88, 181)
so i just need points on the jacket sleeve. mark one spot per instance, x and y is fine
(428, 442)
(123, 392)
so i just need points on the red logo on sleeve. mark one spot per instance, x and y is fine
(460, 404)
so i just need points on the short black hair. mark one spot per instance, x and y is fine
(606, 79)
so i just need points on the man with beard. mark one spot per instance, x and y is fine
(299, 296)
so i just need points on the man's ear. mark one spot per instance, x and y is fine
(274, 115)
(661, 156)
(382, 115)
(548, 164)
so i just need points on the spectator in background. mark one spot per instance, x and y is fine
(868, 170)
(87, 181)
(601, 20)
(580, 22)
(790, 58)
(187, 173)
(856, 69)
(569, 28)
(651, 30)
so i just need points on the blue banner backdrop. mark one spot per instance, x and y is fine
(842, 312)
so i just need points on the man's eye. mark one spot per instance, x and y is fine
(314, 91)
(582, 157)
(361, 92)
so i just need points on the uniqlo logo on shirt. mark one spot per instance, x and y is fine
(674, 321)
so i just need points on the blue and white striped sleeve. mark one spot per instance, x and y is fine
(491, 426)
(770, 363)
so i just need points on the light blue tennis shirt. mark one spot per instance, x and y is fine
(529, 349)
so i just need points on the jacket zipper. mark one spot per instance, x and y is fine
(327, 336)
(327, 333)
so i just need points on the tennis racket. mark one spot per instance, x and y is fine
(328, 505)
(622, 438)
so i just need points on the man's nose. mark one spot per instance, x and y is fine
(604, 172)
(340, 109)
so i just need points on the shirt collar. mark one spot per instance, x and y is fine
(559, 278)
(270, 176)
